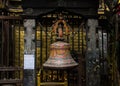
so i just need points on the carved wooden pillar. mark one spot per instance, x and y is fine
(29, 57)
(29, 24)
(92, 56)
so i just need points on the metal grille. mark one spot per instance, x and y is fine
(12, 50)
(105, 51)
(77, 40)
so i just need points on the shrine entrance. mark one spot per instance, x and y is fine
(91, 27)
(89, 39)
(77, 40)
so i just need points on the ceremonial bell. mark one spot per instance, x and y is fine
(60, 57)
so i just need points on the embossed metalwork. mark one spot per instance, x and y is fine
(12, 51)
(60, 57)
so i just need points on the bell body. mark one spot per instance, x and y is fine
(60, 57)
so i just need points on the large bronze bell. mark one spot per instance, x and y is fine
(60, 57)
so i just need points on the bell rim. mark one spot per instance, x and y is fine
(60, 67)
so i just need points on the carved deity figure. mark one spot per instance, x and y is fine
(57, 27)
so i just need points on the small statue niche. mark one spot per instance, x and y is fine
(60, 27)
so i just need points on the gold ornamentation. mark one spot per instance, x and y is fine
(56, 25)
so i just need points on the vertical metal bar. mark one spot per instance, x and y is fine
(51, 43)
(7, 57)
(72, 35)
(14, 45)
(69, 29)
(97, 39)
(22, 70)
(2, 76)
(51, 32)
(57, 35)
(8, 31)
(2, 43)
(107, 40)
(12, 48)
(78, 36)
(73, 74)
(102, 57)
(114, 57)
(41, 56)
(57, 75)
(19, 48)
(2, 62)
(6, 46)
(73, 77)
(46, 27)
(87, 39)
(68, 75)
(36, 55)
(116, 49)
(63, 75)
(10, 42)
(82, 40)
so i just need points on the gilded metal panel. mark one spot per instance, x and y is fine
(12, 68)
(19, 49)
